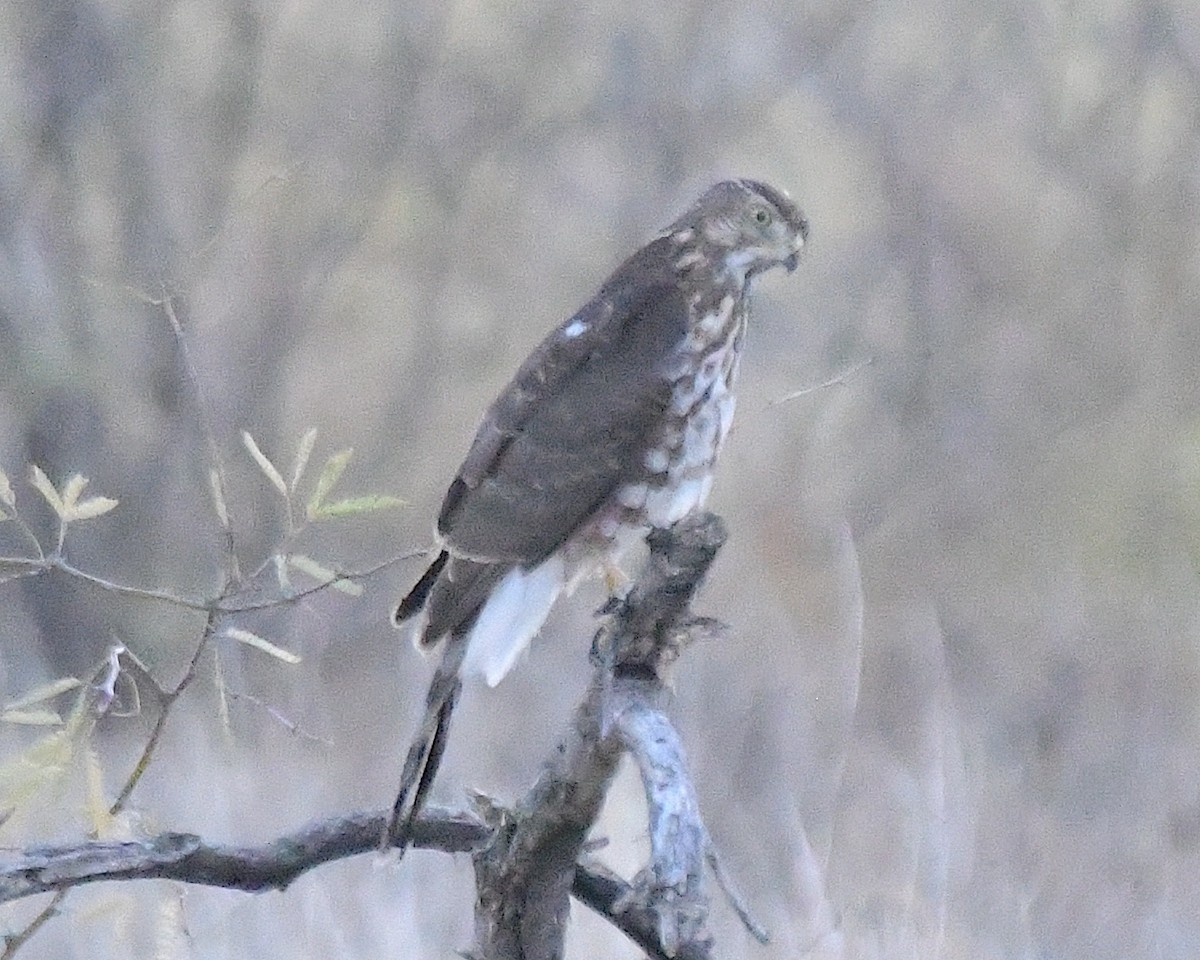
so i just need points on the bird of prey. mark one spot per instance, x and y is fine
(611, 427)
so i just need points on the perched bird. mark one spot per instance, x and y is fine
(611, 427)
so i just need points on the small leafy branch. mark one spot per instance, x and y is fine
(119, 683)
(318, 508)
(529, 858)
(66, 504)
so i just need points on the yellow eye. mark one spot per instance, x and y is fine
(762, 216)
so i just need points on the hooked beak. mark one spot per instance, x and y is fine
(802, 235)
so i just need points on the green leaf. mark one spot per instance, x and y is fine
(47, 691)
(307, 442)
(265, 465)
(348, 587)
(323, 574)
(40, 765)
(260, 643)
(32, 718)
(355, 505)
(281, 575)
(222, 693)
(89, 508)
(214, 487)
(68, 506)
(95, 806)
(41, 483)
(309, 566)
(331, 473)
(7, 497)
(71, 493)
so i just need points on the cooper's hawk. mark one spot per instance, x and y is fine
(610, 427)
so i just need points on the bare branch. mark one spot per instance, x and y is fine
(187, 858)
(602, 891)
(524, 876)
(672, 883)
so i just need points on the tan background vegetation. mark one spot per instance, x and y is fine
(370, 212)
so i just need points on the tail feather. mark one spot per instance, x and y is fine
(447, 600)
(425, 754)
(415, 599)
(448, 597)
(488, 612)
(512, 614)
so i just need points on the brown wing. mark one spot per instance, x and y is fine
(573, 423)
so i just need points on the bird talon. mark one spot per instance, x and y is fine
(610, 606)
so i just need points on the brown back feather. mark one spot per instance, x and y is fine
(571, 426)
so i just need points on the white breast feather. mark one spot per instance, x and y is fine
(690, 470)
(667, 505)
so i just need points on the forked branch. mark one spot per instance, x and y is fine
(524, 876)
(529, 860)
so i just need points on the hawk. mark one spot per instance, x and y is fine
(611, 427)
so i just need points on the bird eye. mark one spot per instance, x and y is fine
(762, 216)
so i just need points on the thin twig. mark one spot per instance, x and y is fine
(58, 562)
(289, 725)
(214, 451)
(14, 941)
(275, 178)
(164, 713)
(38, 562)
(223, 603)
(29, 534)
(844, 377)
(725, 882)
(22, 574)
(339, 577)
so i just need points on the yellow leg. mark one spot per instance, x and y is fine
(616, 580)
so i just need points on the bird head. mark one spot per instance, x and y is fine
(749, 224)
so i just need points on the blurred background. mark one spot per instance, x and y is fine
(959, 710)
